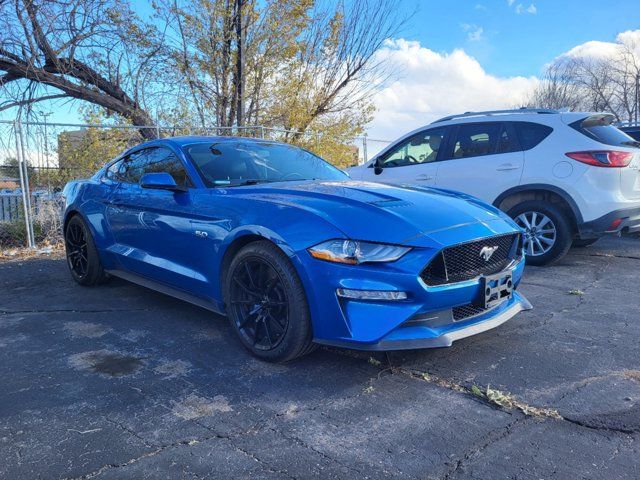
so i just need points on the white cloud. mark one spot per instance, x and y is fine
(480, 6)
(597, 49)
(474, 32)
(510, 2)
(432, 85)
(592, 49)
(520, 8)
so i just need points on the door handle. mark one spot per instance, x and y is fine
(424, 176)
(116, 201)
(505, 167)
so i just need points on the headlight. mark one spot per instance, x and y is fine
(353, 252)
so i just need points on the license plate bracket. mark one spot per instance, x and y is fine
(496, 288)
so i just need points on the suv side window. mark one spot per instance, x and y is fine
(420, 148)
(531, 134)
(155, 160)
(477, 139)
(508, 139)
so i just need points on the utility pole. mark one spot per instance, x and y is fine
(239, 66)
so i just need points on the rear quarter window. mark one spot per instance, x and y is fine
(607, 134)
(531, 134)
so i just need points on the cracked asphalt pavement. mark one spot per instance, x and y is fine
(121, 382)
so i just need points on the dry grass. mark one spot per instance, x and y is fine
(18, 254)
(632, 374)
(508, 401)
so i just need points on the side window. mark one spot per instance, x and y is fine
(163, 160)
(508, 139)
(133, 167)
(155, 160)
(420, 148)
(531, 134)
(476, 139)
(113, 172)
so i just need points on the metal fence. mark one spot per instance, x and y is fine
(38, 158)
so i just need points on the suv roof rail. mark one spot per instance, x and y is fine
(498, 112)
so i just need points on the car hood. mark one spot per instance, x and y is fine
(398, 214)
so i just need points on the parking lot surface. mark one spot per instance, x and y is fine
(121, 382)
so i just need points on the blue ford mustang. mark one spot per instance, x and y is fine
(291, 250)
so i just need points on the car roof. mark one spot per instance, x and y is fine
(182, 141)
(531, 115)
(186, 140)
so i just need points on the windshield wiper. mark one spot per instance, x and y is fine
(632, 143)
(239, 183)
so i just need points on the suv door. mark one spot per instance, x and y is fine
(413, 160)
(152, 227)
(481, 159)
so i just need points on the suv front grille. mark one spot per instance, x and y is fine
(464, 262)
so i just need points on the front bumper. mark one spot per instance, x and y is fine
(414, 337)
(424, 319)
(630, 223)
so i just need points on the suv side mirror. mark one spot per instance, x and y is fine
(377, 166)
(160, 181)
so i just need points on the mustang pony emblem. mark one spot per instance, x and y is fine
(486, 252)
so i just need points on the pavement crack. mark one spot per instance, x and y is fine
(480, 446)
(509, 403)
(305, 445)
(600, 427)
(159, 449)
(267, 467)
(608, 255)
(131, 432)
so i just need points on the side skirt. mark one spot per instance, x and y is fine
(162, 288)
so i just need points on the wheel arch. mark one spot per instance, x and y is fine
(233, 248)
(67, 216)
(540, 192)
(243, 238)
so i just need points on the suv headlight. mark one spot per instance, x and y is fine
(353, 252)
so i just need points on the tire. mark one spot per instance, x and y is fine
(82, 257)
(533, 211)
(583, 242)
(266, 304)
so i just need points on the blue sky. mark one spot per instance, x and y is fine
(514, 43)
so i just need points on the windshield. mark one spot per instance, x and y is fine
(241, 162)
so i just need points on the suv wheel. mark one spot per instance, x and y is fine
(547, 236)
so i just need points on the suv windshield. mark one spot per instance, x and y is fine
(240, 163)
(607, 134)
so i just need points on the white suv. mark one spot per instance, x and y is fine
(565, 177)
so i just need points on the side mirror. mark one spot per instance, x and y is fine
(377, 166)
(160, 181)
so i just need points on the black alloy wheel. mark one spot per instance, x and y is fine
(82, 257)
(76, 247)
(259, 303)
(266, 303)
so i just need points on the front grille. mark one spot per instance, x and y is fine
(466, 311)
(464, 262)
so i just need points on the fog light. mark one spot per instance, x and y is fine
(371, 294)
